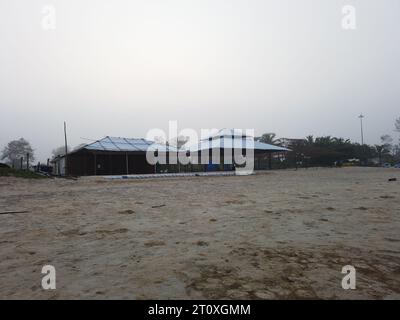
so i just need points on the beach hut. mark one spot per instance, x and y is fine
(225, 142)
(109, 156)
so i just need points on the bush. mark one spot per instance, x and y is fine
(8, 172)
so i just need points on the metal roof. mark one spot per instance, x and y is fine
(223, 139)
(235, 143)
(227, 133)
(126, 145)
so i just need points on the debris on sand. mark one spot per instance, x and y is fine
(128, 211)
(392, 179)
(202, 243)
(154, 243)
(158, 206)
(12, 212)
(386, 197)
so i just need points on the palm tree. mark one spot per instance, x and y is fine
(379, 150)
(309, 140)
(397, 125)
(382, 150)
(340, 141)
(268, 138)
(324, 141)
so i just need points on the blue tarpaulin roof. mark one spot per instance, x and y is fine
(232, 139)
(236, 143)
(142, 145)
(126, 145)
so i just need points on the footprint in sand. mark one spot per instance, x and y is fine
(361, 208)
(106, 232)
(128, 211)
(202, 243)
(154, 243)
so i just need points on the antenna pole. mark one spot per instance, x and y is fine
(362, 131)
(66, 148)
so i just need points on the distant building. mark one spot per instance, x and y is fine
(289, 142)
(108, 156)
(228, 140)
(123, 156)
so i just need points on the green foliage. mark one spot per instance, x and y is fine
(9, 172)
(397, 125)
(17, 149)
(269, 138)
(327, 150)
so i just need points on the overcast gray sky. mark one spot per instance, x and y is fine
(120, 68)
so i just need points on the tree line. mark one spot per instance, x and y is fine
(328, 150)
(310, 151)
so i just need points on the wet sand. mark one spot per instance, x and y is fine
(279, 234)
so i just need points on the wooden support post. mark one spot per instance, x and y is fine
(127, 162)
(270, 161)
(110, 164)
(22, 163)
(95, 164)
(66, 149)
(27, 161)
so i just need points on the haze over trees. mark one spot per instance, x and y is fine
(328, 150)
(179, 141)
(60, 151)
(397, 125)
(15, 150)
(269, 138)
(315, 151)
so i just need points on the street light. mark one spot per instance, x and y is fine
(362, 132)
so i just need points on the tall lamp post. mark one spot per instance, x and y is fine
(362, 137)
(361, 116)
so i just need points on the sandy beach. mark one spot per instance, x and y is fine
(279, 234)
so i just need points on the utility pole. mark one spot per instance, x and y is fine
(361, 116)
(66, 148)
